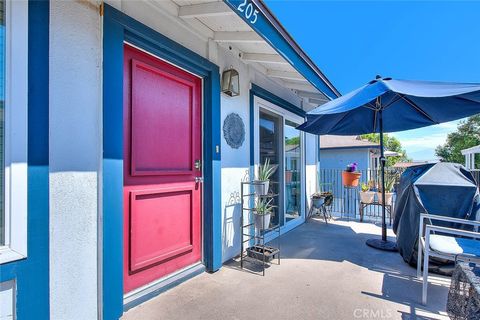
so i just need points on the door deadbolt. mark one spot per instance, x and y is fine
(198, 164)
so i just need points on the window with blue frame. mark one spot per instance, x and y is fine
(13, 129)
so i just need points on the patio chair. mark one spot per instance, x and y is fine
(445, 243)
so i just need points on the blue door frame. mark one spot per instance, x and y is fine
(31, 274)
(120, 28)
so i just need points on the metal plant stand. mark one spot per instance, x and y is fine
(363, 206)
(253, 247)
(349, 193)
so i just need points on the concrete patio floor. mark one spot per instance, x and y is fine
(326, 272)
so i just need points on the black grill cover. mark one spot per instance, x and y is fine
(445, 189)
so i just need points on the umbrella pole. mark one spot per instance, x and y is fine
(382, 244)
(382, 169)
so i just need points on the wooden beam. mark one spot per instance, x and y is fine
(317, 101)
(286, 75)
(240, 36)
(312, 95)
(299, 86)
(264, 58)
(204, 10)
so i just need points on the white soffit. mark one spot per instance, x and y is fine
(229, 30)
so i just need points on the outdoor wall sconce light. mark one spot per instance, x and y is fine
(231, 82)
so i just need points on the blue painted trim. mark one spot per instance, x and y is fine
(270, 97)
(32, 274)
(118, 28)
(252, 132)
(268, 27)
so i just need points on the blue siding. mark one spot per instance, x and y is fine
(118, 27)
(31, 274)
(338, 159)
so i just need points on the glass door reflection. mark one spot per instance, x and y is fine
(292, 167)
(270, 148)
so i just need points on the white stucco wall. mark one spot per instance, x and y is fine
(75, 150)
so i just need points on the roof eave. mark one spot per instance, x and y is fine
(273, 32)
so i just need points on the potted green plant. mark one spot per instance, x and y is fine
(318, 198)
(366, 195)
(350, 176)
(389, 183)
(265, 171)
(263, 212)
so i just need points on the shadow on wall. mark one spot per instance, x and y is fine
(232, 214)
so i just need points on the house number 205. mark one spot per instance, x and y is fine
(249, 11)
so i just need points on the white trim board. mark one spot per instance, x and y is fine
(16, 135)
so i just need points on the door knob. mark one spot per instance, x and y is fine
(198, 179)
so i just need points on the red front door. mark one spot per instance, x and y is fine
(162, 201)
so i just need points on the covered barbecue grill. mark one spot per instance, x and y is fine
(445, 189)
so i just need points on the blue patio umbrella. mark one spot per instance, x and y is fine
(389, 105)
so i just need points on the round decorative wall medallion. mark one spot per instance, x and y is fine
(234, 130)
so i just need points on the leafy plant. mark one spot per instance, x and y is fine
(263, 206)
(389, 183)
(323, 194)
(365, 187)
(352, 167)
(266, 170)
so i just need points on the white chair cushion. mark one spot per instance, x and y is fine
(444, 244)
(452, 245)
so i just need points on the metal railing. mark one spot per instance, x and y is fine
(346, 202)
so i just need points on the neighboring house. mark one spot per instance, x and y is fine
(123, 159)
(407, 164)
(336, 152)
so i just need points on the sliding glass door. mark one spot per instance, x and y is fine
(271, 148)
(293, 171)
(282, 144)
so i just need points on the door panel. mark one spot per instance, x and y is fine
(162, 141)
(161, 103)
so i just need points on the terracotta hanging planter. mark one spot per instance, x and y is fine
(351, 179)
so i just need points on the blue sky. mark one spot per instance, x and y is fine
(351, 42)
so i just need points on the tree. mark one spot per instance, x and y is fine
(466, 136)
(292, 141)
(391, 144)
